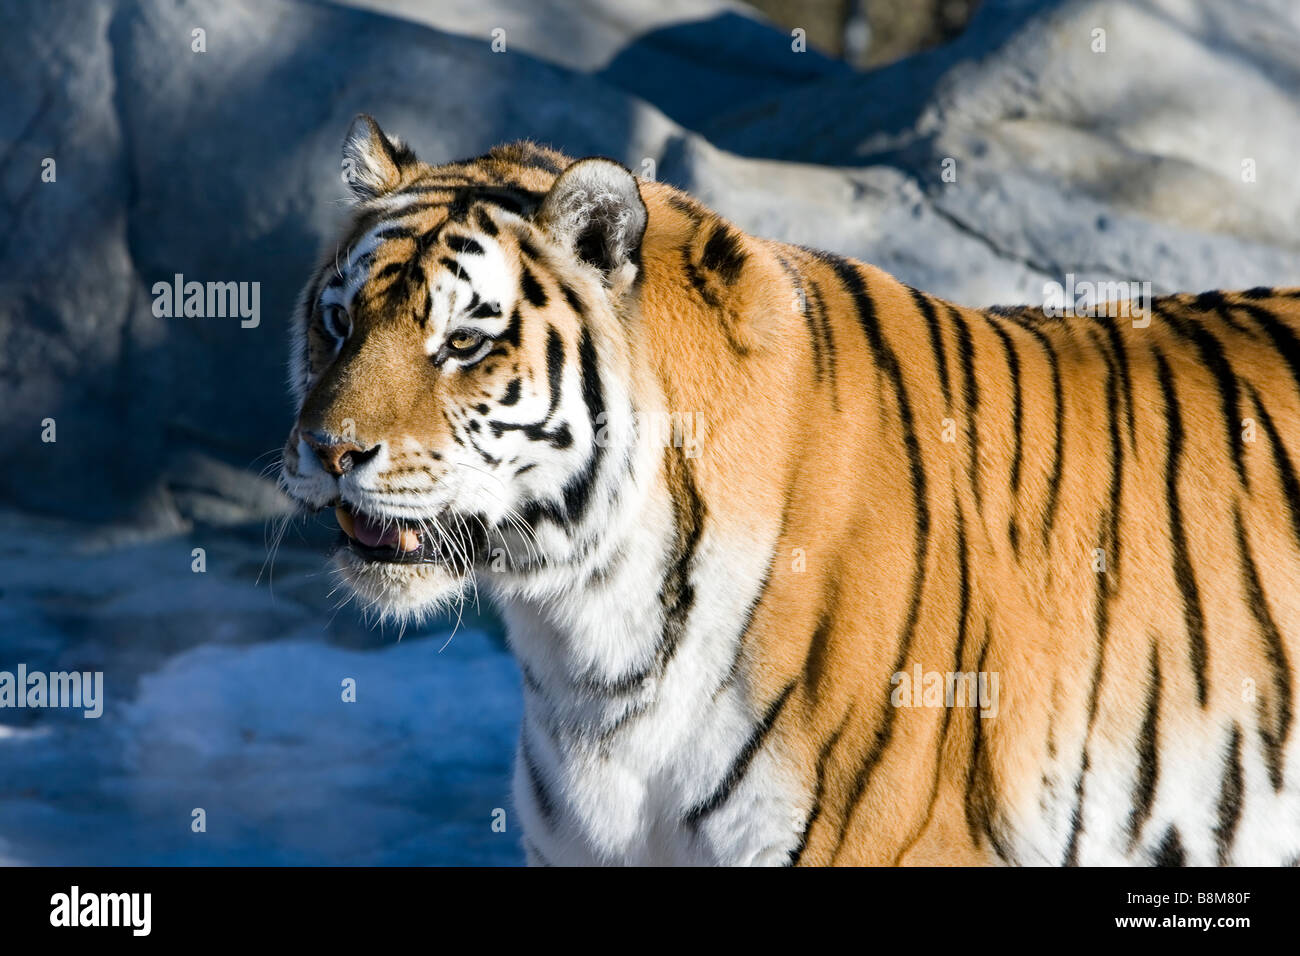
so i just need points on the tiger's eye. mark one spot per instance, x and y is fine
(464, 340)
(336, 320)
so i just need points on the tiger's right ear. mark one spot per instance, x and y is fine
(372, 163)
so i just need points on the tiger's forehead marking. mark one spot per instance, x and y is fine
(459, 261)
(471, 278)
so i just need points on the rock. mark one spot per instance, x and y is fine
(1126, 163)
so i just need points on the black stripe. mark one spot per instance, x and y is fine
(819, 792)
(515, 199)
(814, 665)
(1058, 444)
(1017, 418)
(1276, 727)
(395, 231)
(677, 591)
(687, 207)
(1286, 472)
(1111, 521)
(738, 645)
(399, 228)
(1226, 311)
(526, 247)
(485, 310)
(531, 848)
(1076, 815)
(559, 436)
(1230, 794)
(971, 398)
(1170, 852)
(541, 795)
(430, 186)
(488, 459)
(513, 329)
(981, 791)
(1283, 337)
(740, 764)
(959, 654)
(1214, 359)
(697, 281)
(389, 271)
(887, 362)
(532, 289)
(931, 317)
(822, 319)
(727, 318)
(1148, 754)
(574, 300)
(455, 432)
(485, 222)
(1120, 354)
(1210, 301)
(963, 592)
(512, 392)
(1184, 575)
(464, 244)
(577, 493)
(723, 254)
(814, 331)
(760, 594)
(554, 369)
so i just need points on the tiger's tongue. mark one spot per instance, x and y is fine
(373, 534)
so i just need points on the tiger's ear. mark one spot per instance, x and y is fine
(372, 163)
(595, 210)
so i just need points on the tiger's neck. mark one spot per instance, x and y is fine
(634, 690)
(598, 636)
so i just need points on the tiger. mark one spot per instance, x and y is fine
(801, 565)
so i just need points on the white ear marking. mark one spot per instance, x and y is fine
(595, 210)
(372, 162)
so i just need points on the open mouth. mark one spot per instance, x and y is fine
(388, 539)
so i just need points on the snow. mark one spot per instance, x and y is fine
(222, 697)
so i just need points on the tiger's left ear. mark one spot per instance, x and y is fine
(372, 162)
(595, 210)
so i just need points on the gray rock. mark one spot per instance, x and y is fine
(1126, 164)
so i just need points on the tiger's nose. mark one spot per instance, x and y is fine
(338, 457)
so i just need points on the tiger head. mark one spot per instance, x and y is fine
(447, 360)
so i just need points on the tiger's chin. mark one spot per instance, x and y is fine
(399, 592)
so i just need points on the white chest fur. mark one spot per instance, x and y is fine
(636, 741)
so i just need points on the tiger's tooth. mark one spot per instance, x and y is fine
(409, 541)
(344, 518)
